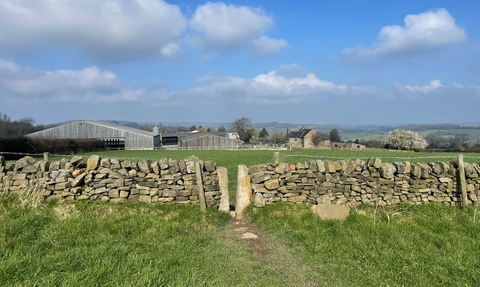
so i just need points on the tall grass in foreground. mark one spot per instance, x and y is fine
(101, 244)
(98, 244)
(428, 245)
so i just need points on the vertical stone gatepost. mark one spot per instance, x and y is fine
(223, 182)
(201, 191)
(46, 156)
(276, 157)
(462, 183)
(244, 195)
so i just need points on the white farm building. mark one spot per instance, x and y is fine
(114, 135)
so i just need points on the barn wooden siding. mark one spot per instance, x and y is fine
(208, 142)
(95, 130)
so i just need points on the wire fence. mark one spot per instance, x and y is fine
(384, 157)
(67, 156)
(34, 154)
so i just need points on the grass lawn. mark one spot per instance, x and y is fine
(96, 244)
(428, 245)
(101, 244)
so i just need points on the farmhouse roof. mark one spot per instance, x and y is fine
(298, 134)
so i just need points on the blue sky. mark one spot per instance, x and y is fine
(318, 62)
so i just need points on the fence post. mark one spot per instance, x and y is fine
(201, 191)
(223, 182)
(463, 185)
(276, 157)
(244, 195)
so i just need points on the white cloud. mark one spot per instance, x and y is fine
(437, 90)
(434, 84)
(274, 88)
(218, 25)
(94, 93)
(421, 33)
(113, 29)
(96, 86)
(87, 85)
(266, 45)
(23, 85)
(292, 70)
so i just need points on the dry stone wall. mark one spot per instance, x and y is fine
(353, 182)
(166, 181)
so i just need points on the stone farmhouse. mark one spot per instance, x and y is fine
(304, 138)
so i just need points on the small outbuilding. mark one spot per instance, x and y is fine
(338, 145)
(213, 140)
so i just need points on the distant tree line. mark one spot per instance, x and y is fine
(427, 127)
(9, 128)
(459, 141)
(13, 142)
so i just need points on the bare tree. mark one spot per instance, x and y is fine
(243, 126)
(17, 128)
(435, 140)
(459, 141)
(4, 123)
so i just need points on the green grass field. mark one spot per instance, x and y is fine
(101, 244)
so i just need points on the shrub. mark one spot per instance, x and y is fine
(405, 140)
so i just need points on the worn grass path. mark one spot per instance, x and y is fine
(274, 254)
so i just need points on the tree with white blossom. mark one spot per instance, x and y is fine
(405, 140)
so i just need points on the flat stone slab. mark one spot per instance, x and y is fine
(331, 211)
(249, 235)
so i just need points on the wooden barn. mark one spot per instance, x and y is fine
(115, 136)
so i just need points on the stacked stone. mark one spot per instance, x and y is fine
(23, 174)
(472, 176)
(352, 182)
(211, 183)
(165, 181)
